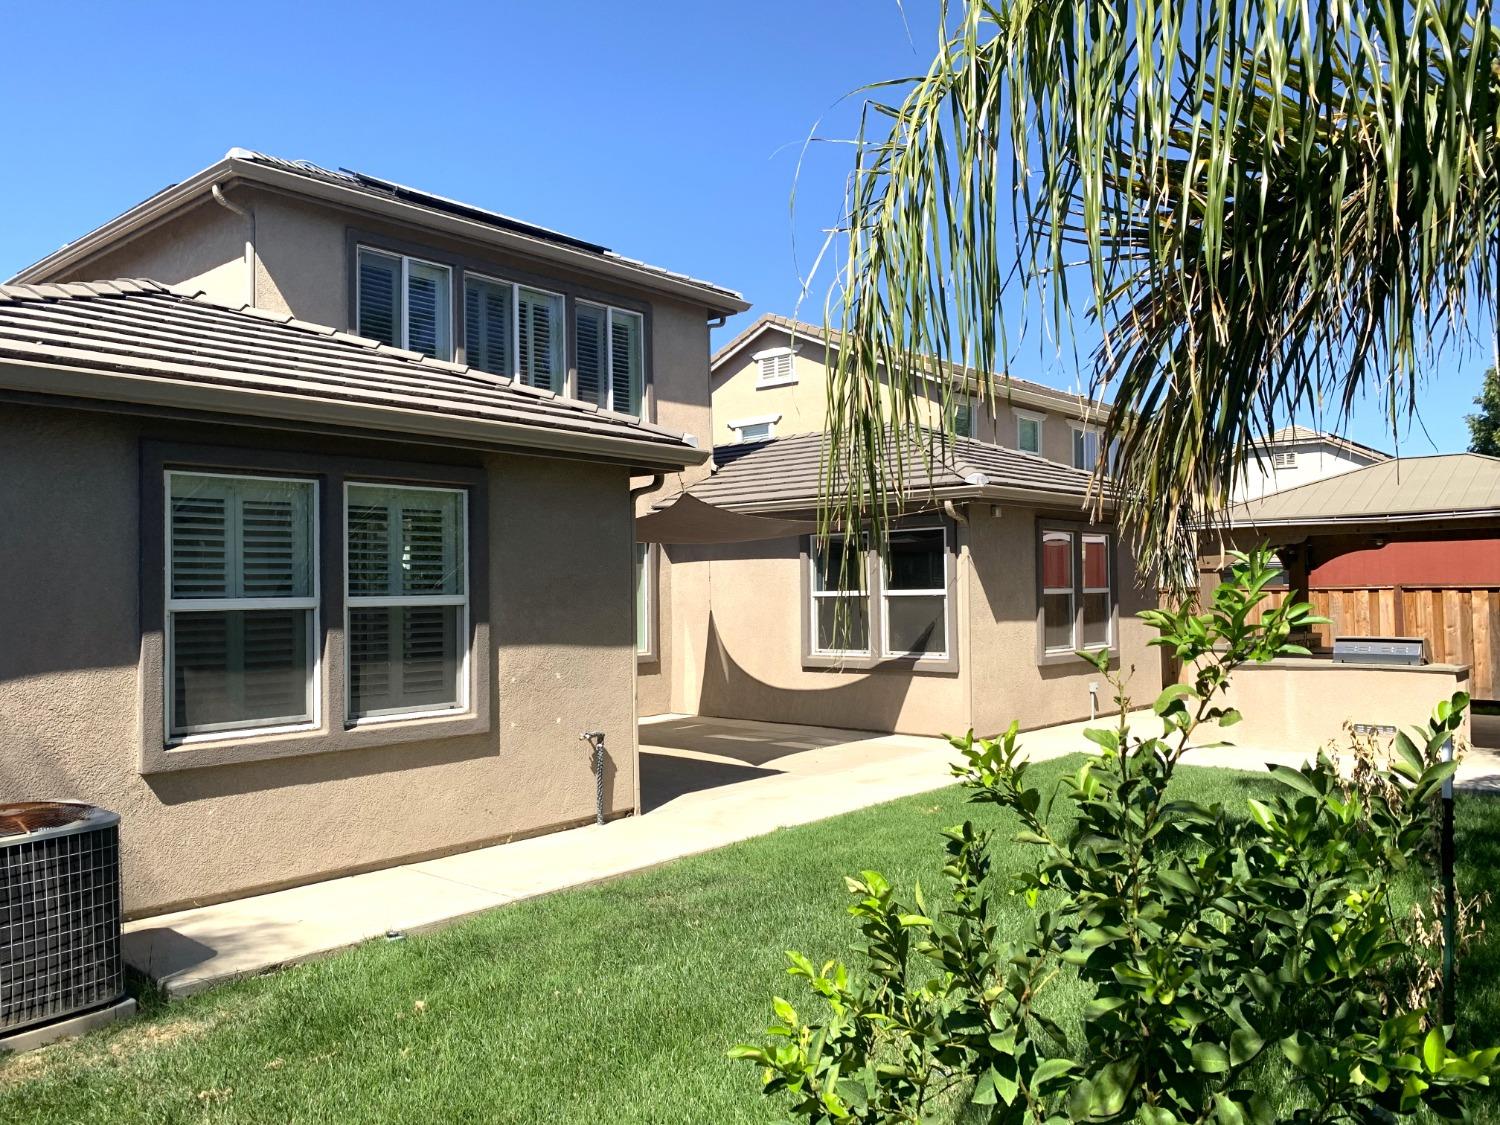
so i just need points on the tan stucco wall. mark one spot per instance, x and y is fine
(752, 661)
(1008, 683)
(803, 405)
(200, 248)
(562, 655)
(1302, 704)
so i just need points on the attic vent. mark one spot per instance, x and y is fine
(775, 367)
(1284, 460)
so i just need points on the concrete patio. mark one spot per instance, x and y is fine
(705, 783)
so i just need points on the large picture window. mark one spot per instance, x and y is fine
(863, 609)
(407, 600)
(242, 598)
(1077, 592)
(404, 302)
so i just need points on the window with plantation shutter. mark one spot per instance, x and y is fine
(593, 352)
(489, 325)
(514, 330)
(611, 357)
(404, 302)
(540, 332)
(407, 599)
(241, 602)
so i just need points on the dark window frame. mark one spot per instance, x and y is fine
(875, 659)
(1077, 530)
(331, 729)
(501, 269)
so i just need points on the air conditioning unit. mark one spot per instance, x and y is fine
(59, 912)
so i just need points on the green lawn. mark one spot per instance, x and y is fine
(613, 1003)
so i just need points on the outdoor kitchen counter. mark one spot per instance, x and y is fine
(1304, 703)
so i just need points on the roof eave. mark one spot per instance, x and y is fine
(173, 394)
(231, 169)
(1033, 498)
(1375, 520)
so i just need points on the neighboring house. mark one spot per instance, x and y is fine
(1296, 455)
(327, 567)
(772, 381)
(994, 577)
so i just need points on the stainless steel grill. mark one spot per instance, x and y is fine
(59, 911)
(1379, 650)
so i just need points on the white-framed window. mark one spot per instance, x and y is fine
(611, 357)
(761, 428)
(961, 414)
(645, 607)
(515, 330)
(1085, 447)
(914, 593)
(1077, 591)
(404, 302)
(1029, 431)
(775, 367)
(1096, 616)
(1057, 592)
(407, 600)
(840, 613)
(242, 603)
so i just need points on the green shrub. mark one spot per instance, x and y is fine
(1241, 967)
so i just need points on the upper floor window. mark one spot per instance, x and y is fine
(611, 359)
(775, 367)
(961, 414)
(405, 302)
(1085, 448)
(756, 429)
(1028, 432)
(514, 330)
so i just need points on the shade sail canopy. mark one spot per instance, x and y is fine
(690, 520)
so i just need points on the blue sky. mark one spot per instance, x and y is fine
(669, 131)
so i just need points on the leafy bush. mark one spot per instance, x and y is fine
(1241, 968)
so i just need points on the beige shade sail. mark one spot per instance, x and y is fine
(690, 520)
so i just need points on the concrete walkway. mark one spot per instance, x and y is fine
(705, 783)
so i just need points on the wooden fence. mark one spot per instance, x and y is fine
(1461, 624)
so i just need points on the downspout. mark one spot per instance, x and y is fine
(635, 718)
(248, 214)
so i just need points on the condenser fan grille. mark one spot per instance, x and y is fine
(59, 912)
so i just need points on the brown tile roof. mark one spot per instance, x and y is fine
(1451, 485)
(1010, 387)
(138, 340)
(785, 473)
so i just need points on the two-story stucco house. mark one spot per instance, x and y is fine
(318, 544)
(996, 574)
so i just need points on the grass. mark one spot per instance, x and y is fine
(614, 1003)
